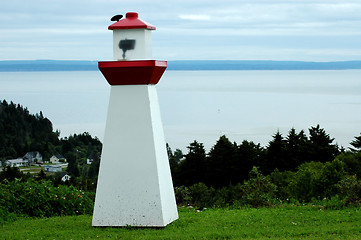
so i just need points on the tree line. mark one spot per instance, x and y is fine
(229, 163)
(291, 169)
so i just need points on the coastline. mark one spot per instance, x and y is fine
(182, 65)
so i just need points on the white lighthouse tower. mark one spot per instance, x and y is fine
(134, 185)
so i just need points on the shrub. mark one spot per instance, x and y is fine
(316, 180)
(41, 198)
(227, 196)
(303, 186)
(352, 162)
(12, 173)
(334, 203)
(331, 174)
(182, 195)
(5, 216)
(350, 189)
(282, 180)
(201, 196)
(258, 190)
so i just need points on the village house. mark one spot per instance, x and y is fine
(33, 157)
(89, 160)
(65, 177)
(57, 158)
(18, 162)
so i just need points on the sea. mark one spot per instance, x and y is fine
(203, 105)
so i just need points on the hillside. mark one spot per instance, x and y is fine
(23, 132)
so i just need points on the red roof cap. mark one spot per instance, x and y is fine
(131, 22)
(133, 72)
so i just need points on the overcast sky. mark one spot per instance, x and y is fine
(310, 30)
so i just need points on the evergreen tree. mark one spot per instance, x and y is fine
(175, 159)
(172, 162)
(193, 168)
(296, 149)
(222, 167)
(321, 148)
(72, 160)
(94, 167)
(249, 155)
(276, 156)
(178, 156)
(356, 144)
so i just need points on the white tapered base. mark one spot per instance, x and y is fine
(134, 185)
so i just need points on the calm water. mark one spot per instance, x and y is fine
(203, 105)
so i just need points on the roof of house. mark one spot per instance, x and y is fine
(31, 154)
(59, 156)
(62, 174)
(17, 160)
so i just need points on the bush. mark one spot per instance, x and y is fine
(182, 195)
(350, 189)
(316, 180)
(331, 174)
(201, 196)
(334, 203)
(258, 190)
(325, 184)
(197, 195)
(5, 216)
(352, 161)
(303, 185)
(227, 196)
(12, 173)
(42, 199)
(282, 181)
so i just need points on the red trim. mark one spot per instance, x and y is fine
(132, 72)
(131, 22)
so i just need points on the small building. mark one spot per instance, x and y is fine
(52, 168)
(65, 178)
(89, 160)
(19, 162)
(33, 157)
(57, 158)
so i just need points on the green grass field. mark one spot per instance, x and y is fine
(303, 222)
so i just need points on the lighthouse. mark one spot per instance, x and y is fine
(134, 184)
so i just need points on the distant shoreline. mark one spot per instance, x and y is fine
(185, 65)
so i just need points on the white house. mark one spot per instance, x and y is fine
(57, 158)
(89, 160)
(19, 162)
(65, 178)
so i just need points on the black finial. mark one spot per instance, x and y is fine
(116, 18)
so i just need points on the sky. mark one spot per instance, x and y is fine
(303, 30)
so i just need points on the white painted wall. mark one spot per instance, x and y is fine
(143, 44)
(134, 186)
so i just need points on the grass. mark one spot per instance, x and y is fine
(303, 222)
